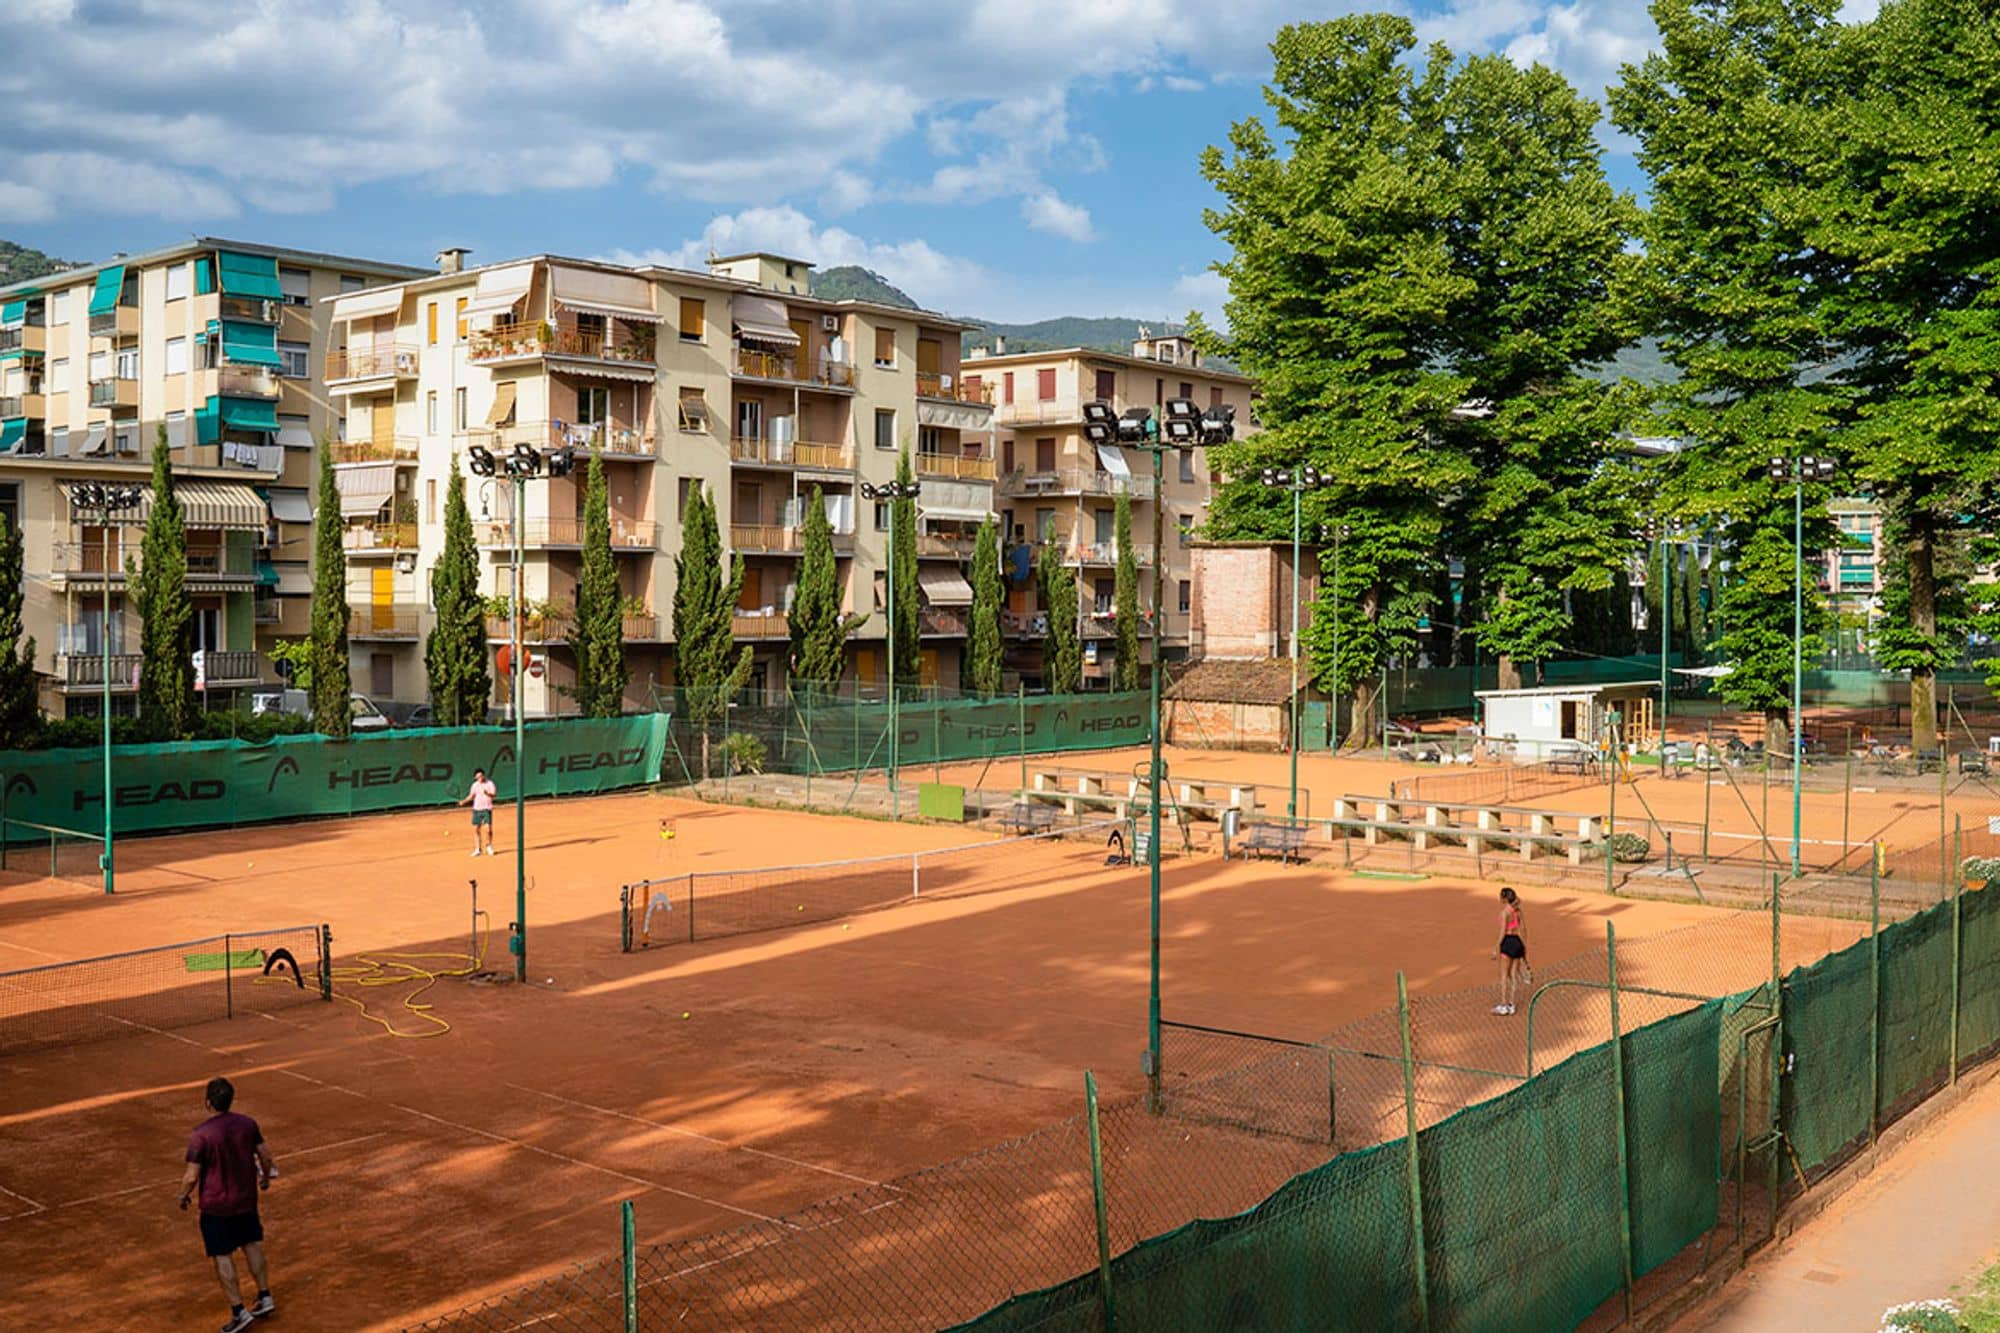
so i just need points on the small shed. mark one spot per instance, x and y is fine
(1242, 704)
(1550, 719)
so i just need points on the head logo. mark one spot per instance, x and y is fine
(285, 764)
(22, 784)
(503, 755)
(1062, 717)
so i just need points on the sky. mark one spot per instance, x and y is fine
(1004, 159)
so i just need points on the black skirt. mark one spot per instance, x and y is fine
(1513, 946)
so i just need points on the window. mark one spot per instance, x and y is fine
(1187, 464)
(100, 366)
(593, 404)
(1045, 525)
(126, 441)
(295, 430)
(177, 430)
(128, 363)
(1215, 398)
(431, 323)
(1159, 393)
(1184, 525)
(1007, 455)
(1045, 454)
(885, 428)
(10, 504)
(694, 319)
(458, 409)
(458, 313)
(59, 308)
(885, 347)
(295, 360)
(350, 282)
(694, 409)
(1107, 385)
(1187, 390)
(57, 369)
(179, 282)
(59, 442)
(1007, 387)
(930, 440)
(177, 356)
(1045, 385)
(975, 388)
(1187, 596)
(881, 516)
(296, 284)
(430, 500)
(431, 407)
(681, 500)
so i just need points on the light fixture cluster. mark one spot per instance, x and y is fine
(106, 496)
(1808, 468)
(524, 462)
(1307, 478)
(1182, 425)
(891, 490)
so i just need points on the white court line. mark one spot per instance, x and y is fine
(171, 1036)
(33, 1207)
(162, 1184)
(692, 1134)
(39, 953)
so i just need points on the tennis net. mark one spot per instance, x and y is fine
(28, 848)
(171, 986)
(1507, 784)
(707, 905)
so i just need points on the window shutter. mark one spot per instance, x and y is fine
(885, 347)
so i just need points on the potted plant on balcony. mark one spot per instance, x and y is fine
(639, 344)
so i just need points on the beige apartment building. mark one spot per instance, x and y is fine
(219, 343)
(1056, 488)
(732, 379)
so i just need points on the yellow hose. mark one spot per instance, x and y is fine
(398, 969)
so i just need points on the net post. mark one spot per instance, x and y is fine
(1332, 1104)
(1957, 908)
(1104, 1288)
(629, 1262)
(1412, 1158)
(326, 962)
(1618, 1099)
(690, 907)
(1874, 994)
(916, 888)
(228, 980)
(625, 918)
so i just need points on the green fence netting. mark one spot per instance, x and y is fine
(1826, 1093)
(1979, 976)
(1916, 1008)
(205, 784)
(1673, 1126)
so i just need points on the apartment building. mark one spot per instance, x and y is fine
(1057, 489)
(732, 379)
(219, 343)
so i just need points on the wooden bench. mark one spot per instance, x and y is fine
(1026, 817)
(1287, 840)
(1974, 761)
(1580, 762)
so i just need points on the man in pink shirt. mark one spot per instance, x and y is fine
(481, 798)
(227, 1160)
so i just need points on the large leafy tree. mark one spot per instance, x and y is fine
(166, 616)
(1063, 650)
(455, 651)
(19, 711)
(984, 644)
(1731, 117)
(819, 626)
(708, 668)
(333, 713)
(905, 616)
(1125, 598)
(599, 637)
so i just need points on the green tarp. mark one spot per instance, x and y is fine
(13, 312)
(206, 784)
(250, 344)
(12, 433)
(204, 277)
(249, 414)
(254, 276)
(208, 421)
(110, 285)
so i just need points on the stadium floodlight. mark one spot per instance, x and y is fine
(1100, 423)
(104, 499)
(1136, 426)
(482, 461)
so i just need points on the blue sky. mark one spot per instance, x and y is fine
(1012, 159)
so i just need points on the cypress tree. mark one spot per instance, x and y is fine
(333, 714)
(19, 712)
(983, 646)
(819, 628)
(166, 618)
(1063, 663)
(455, 651)
(599, 635)
(904, 614)
(1125, 598)
(704, 620)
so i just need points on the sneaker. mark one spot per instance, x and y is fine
(239, 1320)
(1510, 1008)
(263, 1307)
(489, 851)
(1499, 1008)
(475, 851)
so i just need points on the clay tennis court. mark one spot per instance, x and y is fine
(715, 1083)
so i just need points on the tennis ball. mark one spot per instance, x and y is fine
(802, 907)
(685, 1014)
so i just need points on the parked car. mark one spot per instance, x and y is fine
(424, 716)
(366, 716)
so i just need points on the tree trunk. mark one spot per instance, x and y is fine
(1510, 673)
(704, 752)
(1777, 733)
(1364, 727)
(1923, 619)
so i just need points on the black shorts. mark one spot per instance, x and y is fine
(226, 1235)
(1513, 946)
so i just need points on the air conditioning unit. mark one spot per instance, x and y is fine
(402, 482)
(406, 563)
(831, 323)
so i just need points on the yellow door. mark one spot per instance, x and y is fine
(864, 666)
(804, 329)
(383, 597)
(382, 428)
(927, 667)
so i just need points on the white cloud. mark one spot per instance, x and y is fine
(1205, 291)
(845, 193)
(1051, 213)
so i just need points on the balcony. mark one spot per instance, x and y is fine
(953, 389)
(1074, 481)
(792, 368)
(387, 449)
(232, 668)
(776, 625)
(375, 362)
(1024, 624)
(30, 338)
(958, 467)
(220, 562)
(120, 395)
(627, 534)
(752, 452)
(615, 441)
(123, 322)
(250, 308)
(945, 547)
(86, 670)
(536, 339)
(1096, 553)
(550, 625)
(33, 405)
(942, 621)
(1044, 412)
(247, 381)
(396, 621)
(647, 628)
(774, 539)
(378, 538)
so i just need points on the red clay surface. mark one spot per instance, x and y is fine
(713, 1083)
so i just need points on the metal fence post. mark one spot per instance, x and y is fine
(690, 907)
(630, 1254)
(1874, 992)
(1957, 909)
(1618, 1091)
(1412, 1157)
(229, 982)
(1104, 1288)
(326, 962)
(1332, 1105)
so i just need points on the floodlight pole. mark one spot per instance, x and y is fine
(1333, 695)
(517, 670)
(1798, 649)
(104, 646)
(1298, 495)
(1158, 448)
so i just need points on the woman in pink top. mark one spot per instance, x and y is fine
(481, 799)
(1512, 950)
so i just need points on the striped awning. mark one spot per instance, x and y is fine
(219, 504)
(597, 370)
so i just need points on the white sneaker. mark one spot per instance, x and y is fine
(1510, 1008)
(489, 851)
(1499, 1008)
(475, 851)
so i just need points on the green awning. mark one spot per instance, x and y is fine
(110, 285)
(250, 344)
(254, 276)
(267, 574)
(204, 277)
(11, 434)
(250, 414)
(208, 422)
(14, 312)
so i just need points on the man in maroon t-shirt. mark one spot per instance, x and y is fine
(227, 1159)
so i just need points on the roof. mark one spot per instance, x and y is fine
(1553, 691)
(1099, 354)
(1257, 680)
(198, 244)
(762, 254)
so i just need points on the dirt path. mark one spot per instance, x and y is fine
(1924, 1220)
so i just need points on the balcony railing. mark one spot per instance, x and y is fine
(1028, 624)
(254, 309)
(962, 467)
(516, 342)
(776, 539)
(379, 538)
(74, 669)
(220, 562)
(114, 393)
(1074, 481)
(645, 629)
(776, 625)
(952, 387)
(23, 405)
(122, 322)
(627, 534)
(372, 362)
(616, 441)
(946, 546)
(942, 620)
(1039, 412)
(1096, 553)
(793, 367)
(393, 621)
(793, 453)
(387, 449)
(24, 338)
(247, 381)
(536, 627)
(231, 668)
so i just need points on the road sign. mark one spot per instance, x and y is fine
(200, 670)
(535, 667)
